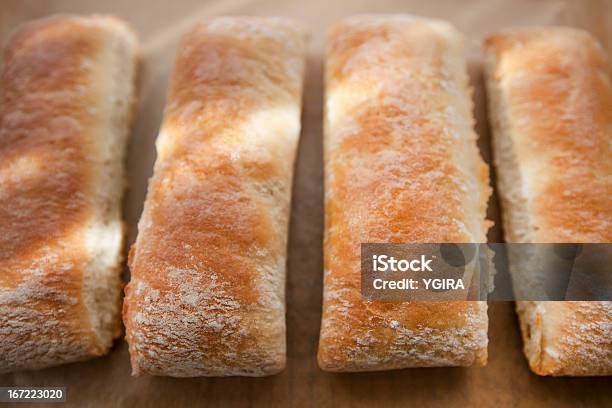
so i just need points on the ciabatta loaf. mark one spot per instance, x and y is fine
(67, 89)
(551, 112)
(207, 295)
(401, 166)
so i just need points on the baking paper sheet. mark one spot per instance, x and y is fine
(505, 381)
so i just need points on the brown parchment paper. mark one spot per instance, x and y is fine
(505, 382)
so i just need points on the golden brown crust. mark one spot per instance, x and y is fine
(551, 109)
(208, 268)
(401, 165)
(557, 81)
(52, 105)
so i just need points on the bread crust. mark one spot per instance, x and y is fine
(551, 112)
(207, 294)
(401, 165)
(65, 106)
